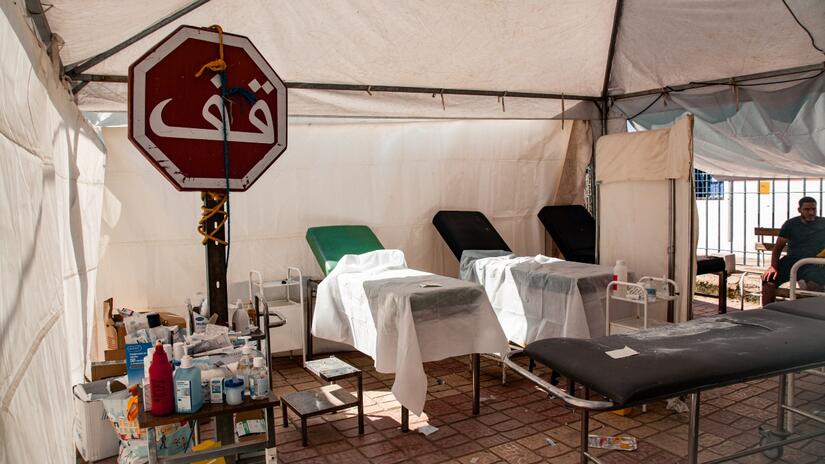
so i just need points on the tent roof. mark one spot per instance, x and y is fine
(549, 47)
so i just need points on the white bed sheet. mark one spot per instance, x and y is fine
(397, 339)
(544, 299)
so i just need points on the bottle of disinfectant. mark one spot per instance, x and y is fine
(188, 391)
(160, 381)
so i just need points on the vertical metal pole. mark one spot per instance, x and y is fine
(693, 429)
(707, 220)
(671, 247)
(598, 207)
(216, 289)
(476, 383)
(759, 215)
(780, 402)
(216, 266)
(773, 202)
(745, 223)
(730, 217)
(789, 400)
(585, 432)
(719, 222)
(820, 196)
(405, 419)
(788, 212)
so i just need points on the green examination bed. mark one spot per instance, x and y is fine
(330, 243)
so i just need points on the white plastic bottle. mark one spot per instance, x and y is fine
(245, 366)
(147, 390)
(620, 274)
(259, 380)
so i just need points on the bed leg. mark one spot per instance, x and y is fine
(693, 429)
(780, 403)
(476, 383)
(723, 292)
(585, 435)
(405, 419)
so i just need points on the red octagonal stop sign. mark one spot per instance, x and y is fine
(175, 117)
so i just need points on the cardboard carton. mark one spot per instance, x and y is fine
(94, 435)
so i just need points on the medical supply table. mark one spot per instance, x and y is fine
(209, 410)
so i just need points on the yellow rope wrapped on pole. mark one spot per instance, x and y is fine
(208, 213)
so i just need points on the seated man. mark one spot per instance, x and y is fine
(805, 237)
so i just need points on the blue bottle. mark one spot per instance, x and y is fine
(188, 391)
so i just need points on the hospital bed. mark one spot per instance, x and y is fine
(400, 317)
(573, 230)
(534, 298)
(686, 359)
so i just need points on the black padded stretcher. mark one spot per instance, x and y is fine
(573, 230)
(688, 358)
(467, 230)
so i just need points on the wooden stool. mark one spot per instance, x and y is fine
(327, 399)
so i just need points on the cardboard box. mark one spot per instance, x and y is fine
(114, 355)
(116, 331)
(106, 369)
(94, 436)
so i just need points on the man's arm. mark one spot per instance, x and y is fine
(771, 272)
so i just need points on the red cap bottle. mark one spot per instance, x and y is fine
(160, 381)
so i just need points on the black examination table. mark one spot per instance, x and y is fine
(688, 358)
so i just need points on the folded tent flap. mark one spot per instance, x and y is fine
(573, 230)
(468, 230)
(330, 243)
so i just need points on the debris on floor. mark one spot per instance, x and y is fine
(427, 429)
(623, 443)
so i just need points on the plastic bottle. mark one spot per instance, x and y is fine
(188, 389)
(663, 288)
(147, 391)
(259, 380)
(160, 379)
(245, 366)
(620, 274)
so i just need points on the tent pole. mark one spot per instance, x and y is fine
(377, 88)
(604, 109)
(724, 81)
(76, 68)
(611, 51)
(41, 23)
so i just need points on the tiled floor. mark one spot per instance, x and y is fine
(518, 424)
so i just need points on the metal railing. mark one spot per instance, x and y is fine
(729, 211)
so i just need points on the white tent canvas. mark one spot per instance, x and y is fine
(485, 60)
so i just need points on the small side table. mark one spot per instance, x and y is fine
(209, 410)
(327, 399)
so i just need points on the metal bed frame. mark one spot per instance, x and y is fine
(771, 439)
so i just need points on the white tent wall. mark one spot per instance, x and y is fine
(391, 176)
(633, 172)
(51, 179)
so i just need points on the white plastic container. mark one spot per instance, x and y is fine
(259, 380)
(245, 366)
